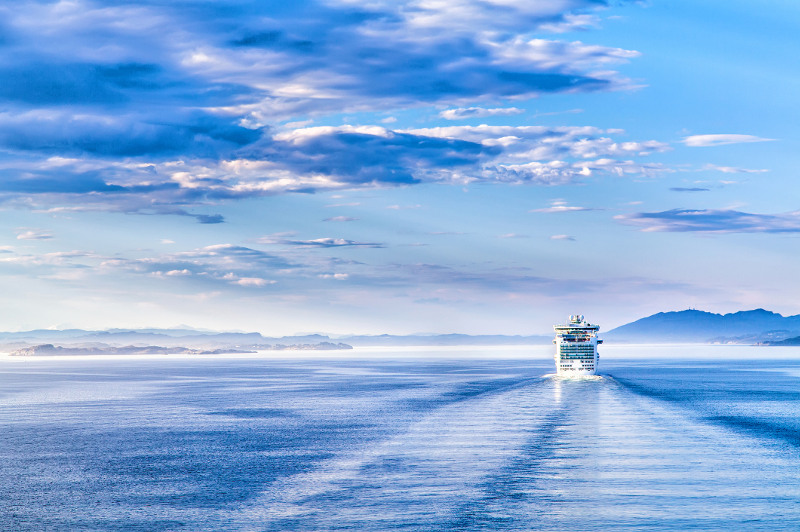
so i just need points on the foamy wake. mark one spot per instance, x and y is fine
(573, 377)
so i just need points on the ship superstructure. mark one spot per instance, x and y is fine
(576, 347)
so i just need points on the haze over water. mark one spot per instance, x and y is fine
(445, 440)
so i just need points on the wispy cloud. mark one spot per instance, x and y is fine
(176, 273)
(57, 259)
(463, 113)
(713, 221)
(340, 219)
(332, 243)
(248, 281)
(562, 206)
(562, 237)
(702, 141)
(24, 233)
(219, 264)
(734, 169)
(335, 276)
(689, 189)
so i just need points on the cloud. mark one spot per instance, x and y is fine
(174, 273)
(353, 156)
(463, 113)
(248, 281)
(713, 221)
(220, 265)
(332, 243)
(571, 22)
(24, 233)
(156, 108)
(340, 219)
(335, 276)
(733, 169)
(133, 134)
(49, 261)
(216, 267)
(301, 274)
(328, 158)
(545, 142)
(689, 189)
(562, 206)
(308, 55)
(702, 141)
(512, 235)
(562, 237)
(209, 218)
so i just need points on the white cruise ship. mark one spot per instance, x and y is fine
(576, 347)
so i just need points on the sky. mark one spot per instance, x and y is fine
(395, 166)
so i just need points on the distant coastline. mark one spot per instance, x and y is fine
(54, 350)
(751, 327)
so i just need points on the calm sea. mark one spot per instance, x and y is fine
(697, 438)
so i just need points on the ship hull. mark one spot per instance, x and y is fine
(576, 347)
(567, 367)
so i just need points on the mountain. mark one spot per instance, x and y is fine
(749, 326)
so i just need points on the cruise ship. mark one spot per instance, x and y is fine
(576, 347)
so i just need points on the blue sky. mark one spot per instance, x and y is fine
(398, 166)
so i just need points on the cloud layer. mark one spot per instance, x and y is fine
(704, 141)
(713, 221)
(161, 108)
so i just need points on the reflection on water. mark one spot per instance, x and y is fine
(423, 444)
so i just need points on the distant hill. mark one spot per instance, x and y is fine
(794, 341)
(749, 326)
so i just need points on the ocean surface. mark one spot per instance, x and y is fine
(667, 438)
